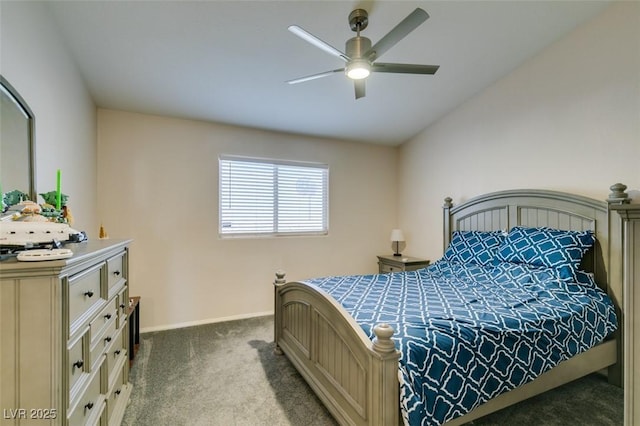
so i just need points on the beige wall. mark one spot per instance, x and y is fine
(568, 120)
(36, 63)
(158, 184)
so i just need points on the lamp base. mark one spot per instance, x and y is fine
(397, 254)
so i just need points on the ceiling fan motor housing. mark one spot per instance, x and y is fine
(357, 46)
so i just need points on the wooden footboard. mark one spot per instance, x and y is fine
(355, 378)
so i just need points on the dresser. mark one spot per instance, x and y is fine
(64, 357)
(400, 263)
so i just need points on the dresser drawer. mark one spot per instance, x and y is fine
(116, 392)
(115, 272)
(115, 353)
(85, 297)
(101, 342)
(123, 305)
(101, 321)
(90, 405)
(78, 363)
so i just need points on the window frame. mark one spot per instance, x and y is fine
(274, 232)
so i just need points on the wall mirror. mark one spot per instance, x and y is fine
(17, 145)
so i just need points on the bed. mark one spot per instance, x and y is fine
(356, 367)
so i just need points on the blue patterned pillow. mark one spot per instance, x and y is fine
(477, 247)
(552, 248)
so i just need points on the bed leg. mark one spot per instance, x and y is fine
(277, 317)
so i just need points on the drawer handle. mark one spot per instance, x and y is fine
(78, 364)
(89, 406)
(88, 293)
(107, 317)
(116, 273)
(118, 392)
(107, 339)
(122, 306)
(116, 352)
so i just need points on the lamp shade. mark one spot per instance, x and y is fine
(397, 235)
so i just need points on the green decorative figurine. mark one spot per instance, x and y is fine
(50, 198)
(14, 197)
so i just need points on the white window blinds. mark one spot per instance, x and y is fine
(272, 197)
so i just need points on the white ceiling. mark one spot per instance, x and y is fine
(227, 61)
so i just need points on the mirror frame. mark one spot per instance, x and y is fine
(31, 119)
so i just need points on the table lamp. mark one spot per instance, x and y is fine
(397, 237)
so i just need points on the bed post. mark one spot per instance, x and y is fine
(447, 222)
(617, 197)
(630, 214)
(277, 315)
(385, 387)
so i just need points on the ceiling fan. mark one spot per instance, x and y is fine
(360, 56)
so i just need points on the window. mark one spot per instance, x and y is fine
(272, 197)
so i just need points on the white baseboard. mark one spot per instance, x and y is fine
(202, 322)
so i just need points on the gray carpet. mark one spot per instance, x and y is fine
(226, 374)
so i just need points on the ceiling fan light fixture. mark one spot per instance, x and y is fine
(358, 69)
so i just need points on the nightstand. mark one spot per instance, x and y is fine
(400, 263)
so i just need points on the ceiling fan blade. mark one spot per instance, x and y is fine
(400, 31)
(317, 42)
(404, 68)
(360, 88)
(314, 76)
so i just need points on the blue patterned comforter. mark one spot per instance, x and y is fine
(468, 333)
